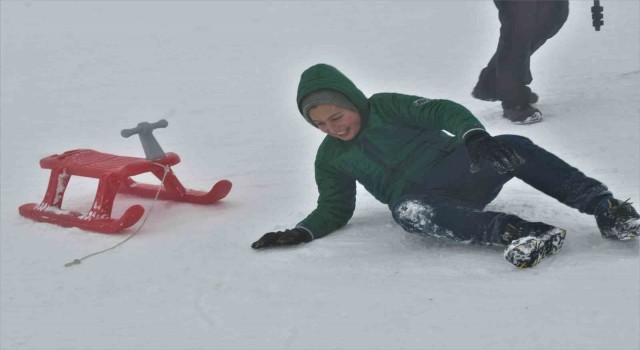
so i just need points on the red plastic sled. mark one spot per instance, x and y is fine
(114, 174)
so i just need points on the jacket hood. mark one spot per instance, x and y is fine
(323, 76)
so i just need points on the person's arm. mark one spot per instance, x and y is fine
(286, 237)
(457, 120)
(336, 203)
(428, 114)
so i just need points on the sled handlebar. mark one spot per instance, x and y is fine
(144, 127)
(150, 145)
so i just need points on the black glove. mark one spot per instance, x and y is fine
(500, 156)
(286, 237)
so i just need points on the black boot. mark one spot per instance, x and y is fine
(485, 94)
(617, 220)
(531, 242)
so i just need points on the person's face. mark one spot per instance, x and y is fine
(338, 122)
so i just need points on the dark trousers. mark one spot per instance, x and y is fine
(450, 200)
(525, 26)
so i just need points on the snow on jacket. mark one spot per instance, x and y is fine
(401, 137)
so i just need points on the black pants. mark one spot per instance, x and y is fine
(525, 26)
(450, 200)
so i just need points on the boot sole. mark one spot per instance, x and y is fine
(532, 119)
(529, 251)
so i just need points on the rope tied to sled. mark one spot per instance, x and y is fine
(166, 171)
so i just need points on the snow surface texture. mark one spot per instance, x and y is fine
(224, 74)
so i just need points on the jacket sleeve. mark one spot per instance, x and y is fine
(422, 112)
(336, 201)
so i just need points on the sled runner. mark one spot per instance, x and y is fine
(114, 175)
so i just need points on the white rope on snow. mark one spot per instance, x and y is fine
(166, 171)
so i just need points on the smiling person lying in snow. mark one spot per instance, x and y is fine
(435, 184)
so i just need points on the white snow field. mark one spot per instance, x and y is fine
(224, 74)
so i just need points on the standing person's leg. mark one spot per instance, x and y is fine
(551, 16)
(506, 74)
(485, 88)
(512, 64)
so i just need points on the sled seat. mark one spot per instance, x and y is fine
(93, 164)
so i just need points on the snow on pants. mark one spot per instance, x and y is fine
(450, 200)
(525, 27)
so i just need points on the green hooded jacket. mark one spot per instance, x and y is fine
(401, 137)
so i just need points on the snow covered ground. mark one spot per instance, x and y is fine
(224, 74)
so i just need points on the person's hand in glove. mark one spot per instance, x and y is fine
(286, 237)
(500, 156)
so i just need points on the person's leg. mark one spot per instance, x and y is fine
(551, 17)
(449, 202)
(513, 60)
(438, 216)
(451, 178)
(554, 177)
(485, 88)
(616, 219)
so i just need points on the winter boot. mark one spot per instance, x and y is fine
(483, 94)
(524, 114)
(531, 242)
(617, 219)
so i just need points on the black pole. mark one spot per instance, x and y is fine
(596, 15)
